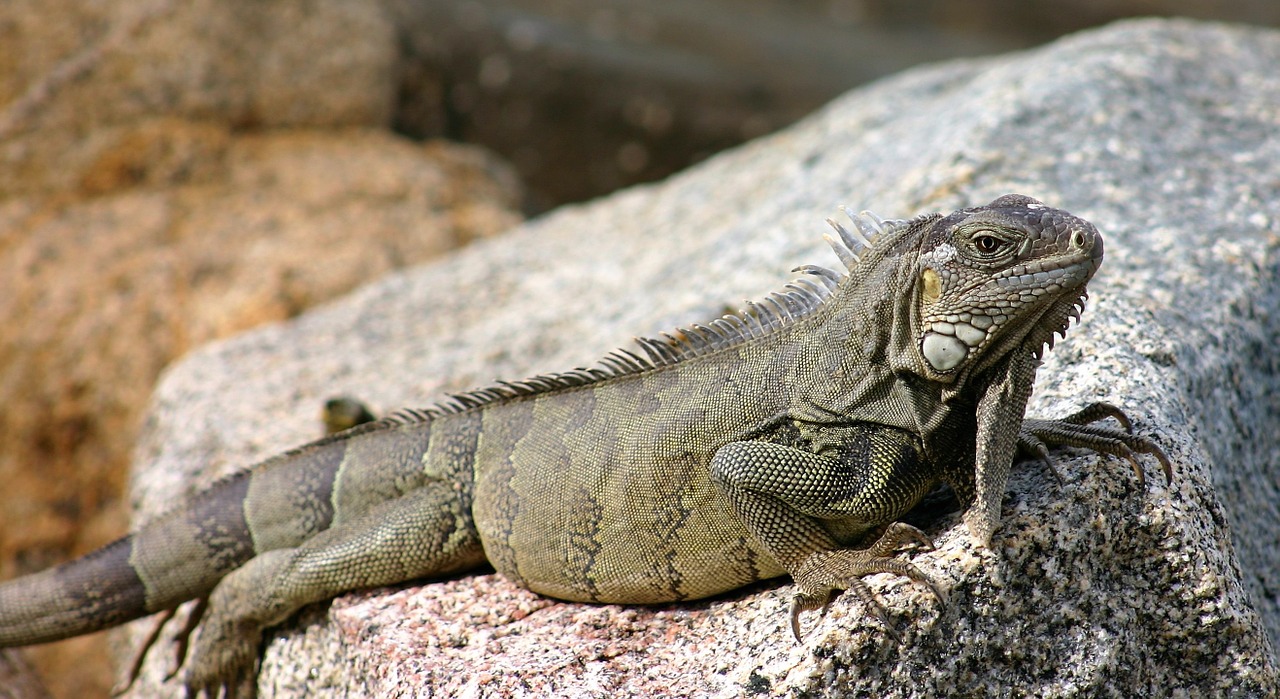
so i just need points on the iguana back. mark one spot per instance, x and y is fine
(602, 490)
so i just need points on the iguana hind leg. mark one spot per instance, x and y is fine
(801, 504)
(427, 532)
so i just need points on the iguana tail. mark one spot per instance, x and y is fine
(178, 557)
(183, 554)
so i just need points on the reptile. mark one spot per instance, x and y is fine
(788, 438)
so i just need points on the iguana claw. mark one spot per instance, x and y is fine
(1079, 430)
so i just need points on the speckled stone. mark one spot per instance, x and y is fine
(1166, 134)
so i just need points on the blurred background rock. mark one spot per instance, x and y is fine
(175, 172)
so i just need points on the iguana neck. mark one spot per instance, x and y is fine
(861, 346)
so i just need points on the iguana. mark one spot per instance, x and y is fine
(762, 443)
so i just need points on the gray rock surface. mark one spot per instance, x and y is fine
(1165, 134)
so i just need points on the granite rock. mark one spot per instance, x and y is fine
(1163, 133)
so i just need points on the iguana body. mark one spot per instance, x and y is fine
(759, 445)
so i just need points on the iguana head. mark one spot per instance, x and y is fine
(996, 277)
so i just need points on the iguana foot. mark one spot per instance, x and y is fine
(823, 575)
(1079, 430)
(224, 662)
(225, 654)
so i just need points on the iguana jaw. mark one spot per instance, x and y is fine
(948, 340)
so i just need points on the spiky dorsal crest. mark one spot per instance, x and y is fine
(798, 299)
(868, 228)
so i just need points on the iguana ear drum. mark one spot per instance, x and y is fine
(931, 284)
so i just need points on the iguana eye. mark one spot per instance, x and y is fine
(987, 244)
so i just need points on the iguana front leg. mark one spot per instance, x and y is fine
(1003, 431)
(822, 575)
(802, 506)
(1001, 407)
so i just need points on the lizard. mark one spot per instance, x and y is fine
(788, 438)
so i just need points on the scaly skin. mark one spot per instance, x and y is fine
(766, 443)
